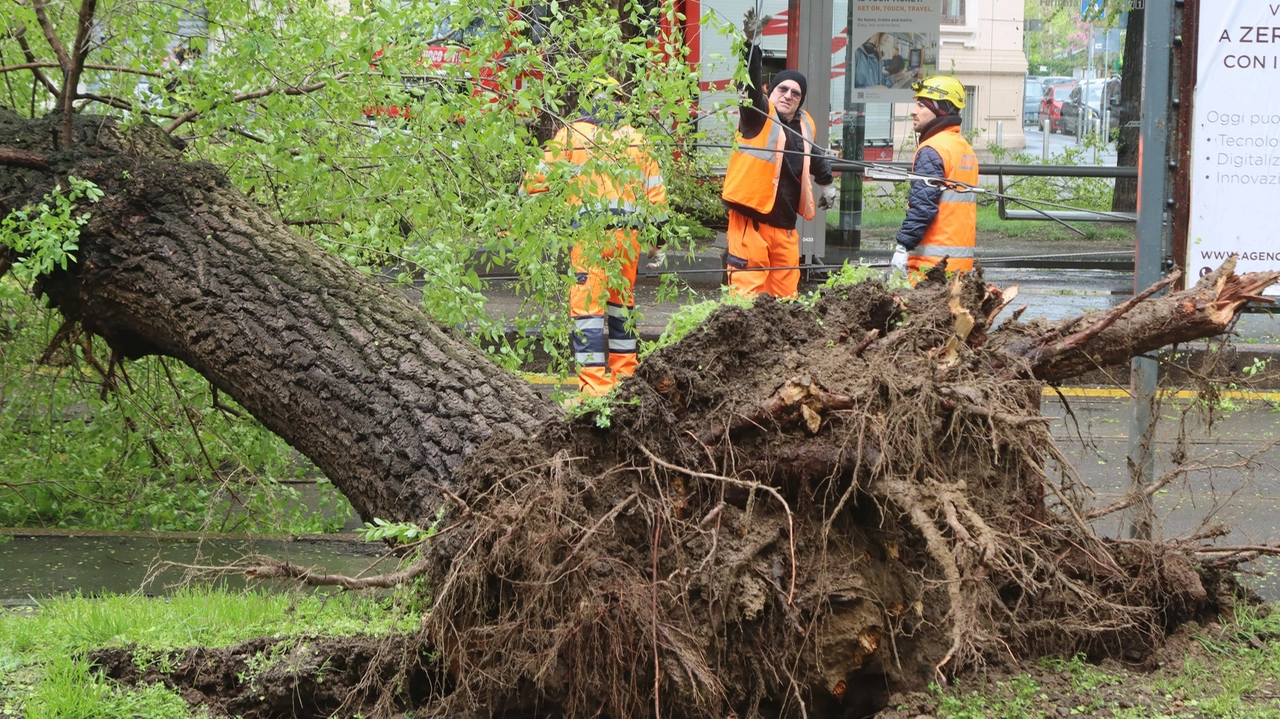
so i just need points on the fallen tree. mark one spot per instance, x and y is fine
(794, 508)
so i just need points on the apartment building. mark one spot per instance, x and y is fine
(982, 47)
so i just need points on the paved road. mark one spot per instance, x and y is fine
(1234, 477)
(1058, 143)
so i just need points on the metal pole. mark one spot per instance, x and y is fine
(853, 136)
(1153, 181)
(999, 133)
(811, 53)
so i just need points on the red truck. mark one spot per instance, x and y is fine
(448, 50)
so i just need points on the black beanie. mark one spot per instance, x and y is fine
(937, 107)
(795, 77)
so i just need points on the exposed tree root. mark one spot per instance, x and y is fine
(775, 522)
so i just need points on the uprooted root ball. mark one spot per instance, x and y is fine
(796, 508)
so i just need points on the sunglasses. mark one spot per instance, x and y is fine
(793, 91)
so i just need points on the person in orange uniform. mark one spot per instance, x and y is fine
(768, 182)
(616, 186)
(941, 221)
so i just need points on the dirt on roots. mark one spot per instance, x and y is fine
(796, 510)
(301, 678)
(799, 510)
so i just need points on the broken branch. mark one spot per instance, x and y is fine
(284, 570)
(12, 157)
(190, 115)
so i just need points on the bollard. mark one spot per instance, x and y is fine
(999, 133)
(1044, 140)
(1079, 125)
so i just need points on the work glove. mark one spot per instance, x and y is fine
(899, 261)
(829, 197)
(753, 25)
(657, 258)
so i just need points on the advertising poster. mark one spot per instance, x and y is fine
(1235, 157)
(897, 44)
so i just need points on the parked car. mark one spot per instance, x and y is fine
(1032, 91)
(1051, 105)
(1090, 101)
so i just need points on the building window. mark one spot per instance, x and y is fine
(968, 122)
(952, 12)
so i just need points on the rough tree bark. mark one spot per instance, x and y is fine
(177, 262)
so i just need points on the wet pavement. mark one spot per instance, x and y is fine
(1232, 477)
(36, 564)
(1059, 143)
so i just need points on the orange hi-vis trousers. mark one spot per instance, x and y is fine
(755, 244)
(603, 348)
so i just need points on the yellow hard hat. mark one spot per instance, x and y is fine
(606, 86)
(941, 87)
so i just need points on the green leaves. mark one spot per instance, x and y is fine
(46, 235)
(380, 530)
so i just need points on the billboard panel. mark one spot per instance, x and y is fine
(897, 45)
(1235, 158)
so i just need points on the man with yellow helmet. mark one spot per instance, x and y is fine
(942, 218)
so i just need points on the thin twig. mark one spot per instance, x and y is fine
(285, 570)
(791, 537)
(20, 34)
(88, 66)
(192, 114)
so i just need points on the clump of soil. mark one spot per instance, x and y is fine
(297, 677)
(798, 510)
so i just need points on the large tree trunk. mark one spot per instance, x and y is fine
(796, 507)
(177, 262)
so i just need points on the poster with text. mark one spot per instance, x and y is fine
(897, 45)
(1235, 158)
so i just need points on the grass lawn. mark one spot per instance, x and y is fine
(1227, 671)
(1220, 671)
(43, 673)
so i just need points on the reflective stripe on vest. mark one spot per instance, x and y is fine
(596, 194)
(755, 168)
(953, 233)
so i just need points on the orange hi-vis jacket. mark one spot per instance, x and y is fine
(954, 231)
(755, 168)
(626, 171)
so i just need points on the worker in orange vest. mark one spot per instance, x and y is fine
(616, 185)
(942, 218)
(768, 181)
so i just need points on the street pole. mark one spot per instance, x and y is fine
(853, 137)
(809, 51)
(1153, 189)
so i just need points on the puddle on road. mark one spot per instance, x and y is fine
(33, 567)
